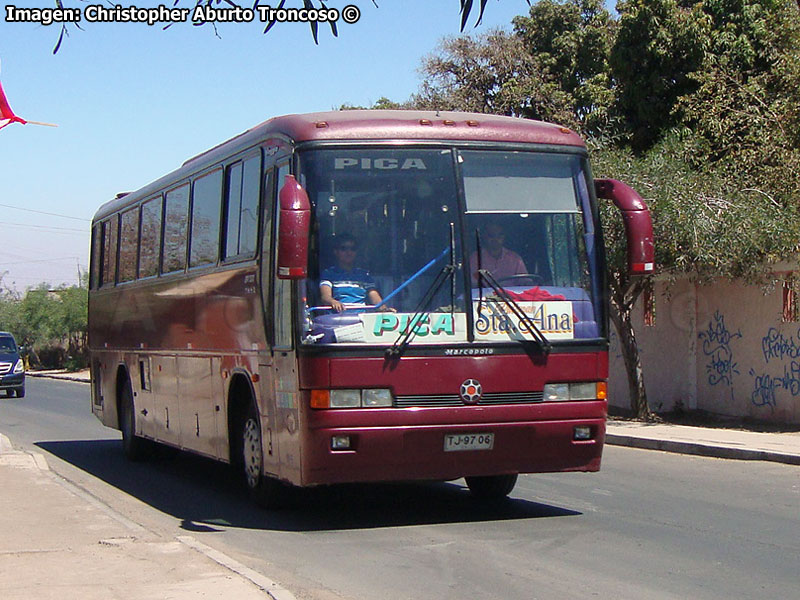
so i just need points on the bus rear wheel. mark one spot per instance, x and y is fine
(134, 447)
(491, 487)
(265, 491)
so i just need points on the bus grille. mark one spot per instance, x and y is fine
(5, 368)
(455, 400)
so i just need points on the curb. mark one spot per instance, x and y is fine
(267, 585)
(63, 377)
(700, 449)
(5, 445)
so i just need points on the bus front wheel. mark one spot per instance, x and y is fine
(265, 491)
(492, 487)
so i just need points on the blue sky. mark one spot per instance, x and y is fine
(133, 102)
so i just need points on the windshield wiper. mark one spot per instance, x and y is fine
(447, 272)
(523, 317)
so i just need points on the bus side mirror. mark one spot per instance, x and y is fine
(293, 230)
(638, 224)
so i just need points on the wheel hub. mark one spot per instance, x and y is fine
(252, 452)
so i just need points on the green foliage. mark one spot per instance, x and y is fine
(382, 103)
(658, 45)
(570, 43)
(45, 318)
(745, 113)
(553, 67)
(491, 73)
(706, 223)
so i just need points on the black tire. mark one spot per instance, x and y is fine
(134, 447)
(20, 392)
(491, 487)
(265, 491)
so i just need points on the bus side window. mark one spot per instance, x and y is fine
(206, 199)
(94, 277)
(128, 245)
(241, 208)
(248, 222)
(175, 229)
(282, 306)
(109, 271)
(150, 243)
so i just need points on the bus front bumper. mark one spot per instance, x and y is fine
(400, 453)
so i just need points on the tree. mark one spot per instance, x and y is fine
(553, 67)
(658, 45)
(491, 73)
(45, 318)
(745, 112)
(382, 103)
(571, 42)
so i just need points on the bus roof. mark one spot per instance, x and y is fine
(368, 125)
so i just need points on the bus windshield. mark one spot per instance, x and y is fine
(407, 241)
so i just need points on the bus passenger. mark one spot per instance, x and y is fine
(345, 283)
(501, 262)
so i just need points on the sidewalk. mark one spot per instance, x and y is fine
(706, 441)
(57, 541)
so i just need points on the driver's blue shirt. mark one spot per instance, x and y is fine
(350, 287)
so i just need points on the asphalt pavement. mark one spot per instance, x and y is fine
(67, 544)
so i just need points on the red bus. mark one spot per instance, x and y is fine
(470, 337)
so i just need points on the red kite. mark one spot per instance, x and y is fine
(7, 115)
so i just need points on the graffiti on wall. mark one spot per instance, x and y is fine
(716, 340)
(777, 348)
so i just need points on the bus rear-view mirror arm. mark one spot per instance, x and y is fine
(638, 224)
(293, 230)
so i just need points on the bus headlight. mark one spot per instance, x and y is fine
(563, 392)
(377, 397)
(583, 391)
(369, 398)
(556, 392)
(345, 398)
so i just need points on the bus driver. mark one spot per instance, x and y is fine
(345, 283)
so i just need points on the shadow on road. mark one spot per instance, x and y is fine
(206, 495)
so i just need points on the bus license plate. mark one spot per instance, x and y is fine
(454, 442)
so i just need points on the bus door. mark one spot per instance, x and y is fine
(267, 409)
(285, 382)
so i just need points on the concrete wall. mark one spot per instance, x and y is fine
(721, 348)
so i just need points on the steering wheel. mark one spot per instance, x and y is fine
(535, 279)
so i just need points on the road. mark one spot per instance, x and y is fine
(649, 525)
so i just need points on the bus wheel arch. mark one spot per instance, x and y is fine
(122, 380)
(240, 396)
(134, 447)
(247, 445)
